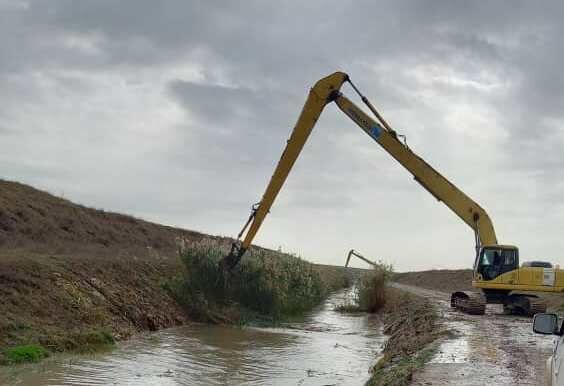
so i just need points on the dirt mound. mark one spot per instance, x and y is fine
(69, 274)
(35, 220)
(68, 271)
(445, 280)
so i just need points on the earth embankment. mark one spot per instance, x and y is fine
(70, 275)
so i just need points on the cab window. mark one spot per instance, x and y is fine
(496, 261)
(509, 257)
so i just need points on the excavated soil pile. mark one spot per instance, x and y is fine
(445, 280)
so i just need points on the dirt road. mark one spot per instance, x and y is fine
(489, 349)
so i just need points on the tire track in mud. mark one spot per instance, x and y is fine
(489, 349)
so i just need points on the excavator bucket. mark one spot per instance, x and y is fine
(232, 259)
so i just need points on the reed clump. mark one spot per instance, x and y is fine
(371, 292)
(265, 284)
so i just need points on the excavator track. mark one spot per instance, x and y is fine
(473, 303)
(527, 305)
(535, 306)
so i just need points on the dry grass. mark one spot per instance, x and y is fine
(56, 300)
(68, 273)
(411, 323)
(71, 276)
(371, 291)
(266, 285)
(445, 280)
(36, 221)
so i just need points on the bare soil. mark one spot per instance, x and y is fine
(69, 272)
(493, 348)
(483, 349)
(445, 280)
(410, 321)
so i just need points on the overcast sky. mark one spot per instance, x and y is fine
(177, 112)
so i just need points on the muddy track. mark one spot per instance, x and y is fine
(489, 349)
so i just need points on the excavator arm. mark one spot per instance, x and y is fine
(352, 252)
(430, 179)
(325, 91)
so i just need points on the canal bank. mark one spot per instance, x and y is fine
(72, 277)
(75, 278)
(64, 303)
(323, 347)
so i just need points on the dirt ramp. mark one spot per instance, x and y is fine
(444, 280)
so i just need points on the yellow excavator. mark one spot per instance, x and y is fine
(496, 267)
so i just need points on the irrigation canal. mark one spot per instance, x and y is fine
(324, 348)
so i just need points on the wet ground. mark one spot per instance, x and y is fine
(325, 348)
(493, 349)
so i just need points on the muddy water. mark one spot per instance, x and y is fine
(325, 348)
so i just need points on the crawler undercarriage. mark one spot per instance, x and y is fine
(474, 303)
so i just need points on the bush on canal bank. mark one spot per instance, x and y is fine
(370, 291)
(24, 354)
(265, 285)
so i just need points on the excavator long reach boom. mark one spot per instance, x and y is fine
(325, 91)
(352, 252)
(496, 267)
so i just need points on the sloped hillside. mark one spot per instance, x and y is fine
(68, 272)
(35, 220)
(72, 275)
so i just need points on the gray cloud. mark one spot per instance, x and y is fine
(178, 111)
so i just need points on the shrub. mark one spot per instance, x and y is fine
(265, 283)
(371, 289)
(26, 353)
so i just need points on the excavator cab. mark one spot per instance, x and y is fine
(496, 260)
